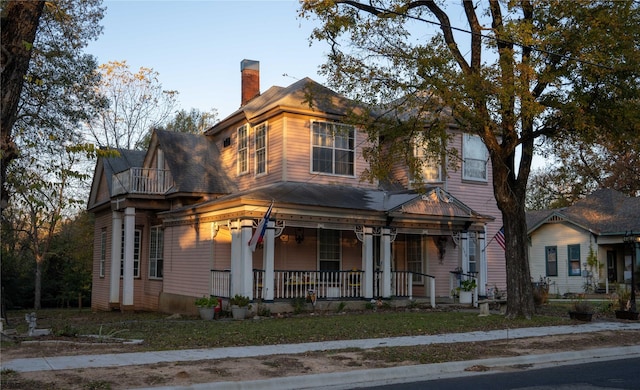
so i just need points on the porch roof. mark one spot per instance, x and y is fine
(435, 204)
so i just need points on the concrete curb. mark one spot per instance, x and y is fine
(404, 374)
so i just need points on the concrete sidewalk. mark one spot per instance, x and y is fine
(142, 358)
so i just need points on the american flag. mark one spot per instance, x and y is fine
(259, 233)
(499, 237)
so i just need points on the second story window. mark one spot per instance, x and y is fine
(431, 169)
(260, 135)
(243, 150)
(474, 164)
(333, 148)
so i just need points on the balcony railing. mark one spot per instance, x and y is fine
(142, 181)
(324, 284)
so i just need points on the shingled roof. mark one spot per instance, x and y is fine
(303, 95)
(605, 211)
(194, 162)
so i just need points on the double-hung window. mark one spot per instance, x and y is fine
(430, 167)
(156, 249)
(551, 260)
(329, 250)
(136, 254)
(333, 147)
(574, 260)
(260, 134)
(475, 157)
(243, 149)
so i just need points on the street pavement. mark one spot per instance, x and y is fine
(355, 378)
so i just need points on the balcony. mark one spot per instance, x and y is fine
(145, 181)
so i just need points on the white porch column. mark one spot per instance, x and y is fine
(246, 264)
(116, 248)
(482, 277)
(367, 261)
(129, 240)
(236, 257)
(268, 262)
(385, 262)
(241, 258)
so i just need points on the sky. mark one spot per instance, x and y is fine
(197, 46)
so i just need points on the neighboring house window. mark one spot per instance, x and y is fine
(260, 135)
(551, 260)
(574, 260)
(414, 257)
(103, 250)
(473, 252)
(474, 163)
(156, 250)
(431, 168)
(333, 148)
(329, 250)
(136, 254)
(243, 150)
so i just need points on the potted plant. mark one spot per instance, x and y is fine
(239, 306)
(466, 290)
(581, 310)
(624, 305)
(207, 306)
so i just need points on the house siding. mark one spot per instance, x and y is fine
(100, 285)
(561, 235)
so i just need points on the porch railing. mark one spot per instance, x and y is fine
(292, 284)
(221, 283)
(142, 181)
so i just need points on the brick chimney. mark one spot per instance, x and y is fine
(250, 80)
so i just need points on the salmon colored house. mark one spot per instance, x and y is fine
(176, 222)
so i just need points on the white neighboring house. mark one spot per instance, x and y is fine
(561, 241)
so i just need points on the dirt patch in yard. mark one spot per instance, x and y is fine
(185, 373)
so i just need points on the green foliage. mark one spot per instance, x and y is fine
(239, 300)
(210, 301)
(340, 307)
(495, 83)
(299, 305)
(468, 285)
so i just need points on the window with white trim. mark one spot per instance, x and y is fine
(103, 251)
(475, 157)
(431, 169)
(551, 260)
(333, 147)
(474, 251)
(136, 254)
(243, 150)
(329, 254)
(156, 249)
(260, 135)
(414, 257)
(574, 260)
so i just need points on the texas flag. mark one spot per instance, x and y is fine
(259, 233)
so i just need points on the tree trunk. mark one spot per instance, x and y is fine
(19, 22)
(510, 196)
(37, 298)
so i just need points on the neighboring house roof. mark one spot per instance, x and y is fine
(604, 212)
(194, 162)
(303, 95)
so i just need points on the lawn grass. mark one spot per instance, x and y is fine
(161, 332)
